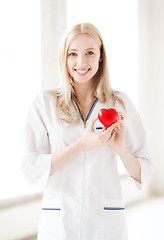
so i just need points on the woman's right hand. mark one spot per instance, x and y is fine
(92, 139)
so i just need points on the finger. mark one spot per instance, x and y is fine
(112, 126)
(92, 122)
(104, 128)
(121, 116)
(112, 136)
(109, 130)
(120, 121)
(118, 127)
(105, 138)
(120, 124)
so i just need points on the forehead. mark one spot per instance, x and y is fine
(83, 42)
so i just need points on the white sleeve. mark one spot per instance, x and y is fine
(135, 140)
(37, 154)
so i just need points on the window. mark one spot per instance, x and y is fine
(20, 80)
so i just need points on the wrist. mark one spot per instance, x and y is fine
(81, 144)
(121, 150)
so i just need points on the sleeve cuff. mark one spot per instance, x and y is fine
(147, 169)
(42, 166)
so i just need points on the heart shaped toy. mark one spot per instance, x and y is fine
(108, 116)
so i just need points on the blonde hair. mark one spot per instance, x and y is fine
(101, 89)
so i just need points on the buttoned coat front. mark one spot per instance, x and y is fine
(83, 200)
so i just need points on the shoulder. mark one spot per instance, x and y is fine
(44, 102)
(129, 108)
(125, 99)
(46, 97)
(123, 96)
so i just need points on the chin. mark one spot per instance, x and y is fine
(80, 81)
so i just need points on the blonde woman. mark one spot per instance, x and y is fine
(72, 156)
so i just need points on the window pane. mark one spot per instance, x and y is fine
(20, 81)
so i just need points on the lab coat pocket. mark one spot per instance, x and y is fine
(114, 220)
(49, 224)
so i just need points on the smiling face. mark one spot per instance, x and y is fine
(83, 59)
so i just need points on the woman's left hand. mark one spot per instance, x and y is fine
(116, 141)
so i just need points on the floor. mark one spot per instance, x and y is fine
(146, 221)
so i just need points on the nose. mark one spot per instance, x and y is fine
(81, 60)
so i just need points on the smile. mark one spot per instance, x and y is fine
(82, 72)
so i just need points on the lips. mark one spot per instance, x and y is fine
(82, 72)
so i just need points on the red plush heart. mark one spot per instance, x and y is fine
(107, 116)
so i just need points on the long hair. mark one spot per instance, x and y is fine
(101, 88)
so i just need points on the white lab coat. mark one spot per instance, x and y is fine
(83, 200)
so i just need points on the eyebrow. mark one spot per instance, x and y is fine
(85, 49)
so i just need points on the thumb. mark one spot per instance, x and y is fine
(92, 122)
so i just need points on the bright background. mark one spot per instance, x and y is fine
(20, 74)
(30, 34)
(20, 62)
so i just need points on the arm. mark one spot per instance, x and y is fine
(128, 140)
(116, 141)
(37, 152)
(89, 140)
(63, 157)
(38, 161)
(131, 163)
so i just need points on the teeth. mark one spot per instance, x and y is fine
(82, 71)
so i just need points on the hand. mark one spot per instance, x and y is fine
(116, 141)
(92, 139)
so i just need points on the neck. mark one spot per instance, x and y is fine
(83, 91)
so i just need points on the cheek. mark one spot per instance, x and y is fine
(69, 65)
(95, 61)
(96, 64)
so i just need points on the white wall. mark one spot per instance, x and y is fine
(20, 75)
(117, 22)
(53, 25)
(151, 85)
(20, 81)
(151, 82)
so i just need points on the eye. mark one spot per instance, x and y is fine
(72, 54)
(90, 53)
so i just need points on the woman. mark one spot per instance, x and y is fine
(70, 154)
